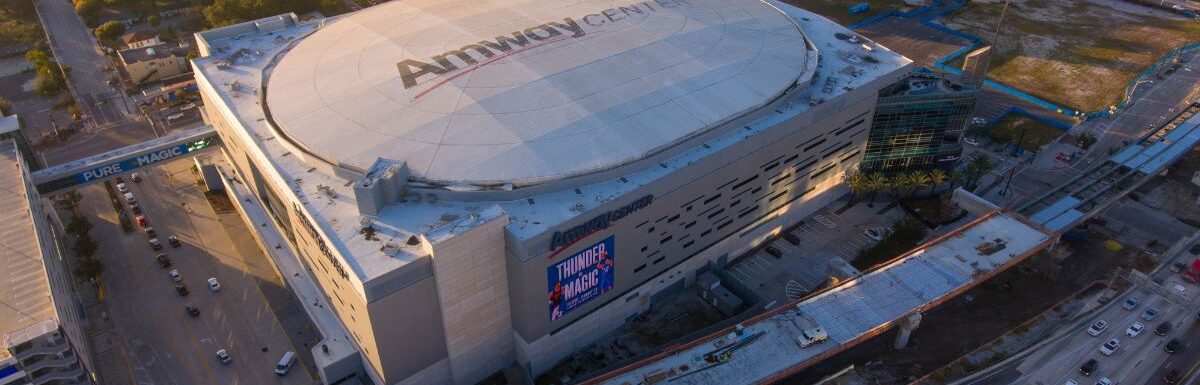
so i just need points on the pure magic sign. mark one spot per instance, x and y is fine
(579, 278)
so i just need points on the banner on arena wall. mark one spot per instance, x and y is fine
(580, 277)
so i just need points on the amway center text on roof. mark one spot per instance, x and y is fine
(411, 70)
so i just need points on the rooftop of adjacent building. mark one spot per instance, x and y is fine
(853, 310)
(25, 299)
(922, 83)
(154, 52)
(239, 54)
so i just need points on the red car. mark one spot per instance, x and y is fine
(141, 221)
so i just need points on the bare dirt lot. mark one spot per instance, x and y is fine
(959, 326)
(1076, 53)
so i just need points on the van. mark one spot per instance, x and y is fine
(174, 117)
(811, 336)
(285, 363)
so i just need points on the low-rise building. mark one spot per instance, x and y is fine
(153, 63)
(140, 39)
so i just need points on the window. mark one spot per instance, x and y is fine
(639, 268)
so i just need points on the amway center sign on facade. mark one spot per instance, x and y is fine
(472, 56)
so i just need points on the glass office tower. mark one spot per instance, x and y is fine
(918, 124)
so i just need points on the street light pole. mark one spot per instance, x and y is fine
(1003, 11)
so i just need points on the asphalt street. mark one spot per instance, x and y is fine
(163, 344)
(1139, 360)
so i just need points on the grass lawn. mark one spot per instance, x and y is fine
(1076, 53)
(838, 10)
(1037, 134)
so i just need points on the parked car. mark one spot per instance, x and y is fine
(1097, 328)
(154, 244)
(1135, 329)
(773, 252)
(174, 275)
(141, 221)
(1089, 367)
(1104, 381)
(136, 178)
(130, 198)
(173, 241)
(1110, 346)
(873, 234)
(1173, 346)
(1149, 314)
(122, 187)
(1177, 267)
(1163, 328)
(163, 261)
(214, 285)
(1171, 377)
(181, 289)
(192, 310)
(1131, 303)
(150, 232)
(223, 356)
(970, 140)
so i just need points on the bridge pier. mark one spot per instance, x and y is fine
(907, 325)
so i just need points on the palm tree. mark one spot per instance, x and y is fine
(901, 184)
(978, 167)
(936, 178)
(857, 182)
(957, 176)
(917, 180)
(877, 182)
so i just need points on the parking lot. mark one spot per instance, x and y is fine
(253, 315)
(824, 244)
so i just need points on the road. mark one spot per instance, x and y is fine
(75, 47)
(163, 344)
(1139, 360)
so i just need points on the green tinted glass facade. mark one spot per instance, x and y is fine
(918, 125)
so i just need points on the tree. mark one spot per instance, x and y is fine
(110, 31)
(88, 268)
(877, 182)
(957, 177)
(154, 20)
(857, 182)
(5, 107)
(332, 7)
(78, 226)
(85, 247)
(936, 178)
(87, 8)
(168, 35)
(978, 167)
(917, 180)
(1086, 140)
(902, 184)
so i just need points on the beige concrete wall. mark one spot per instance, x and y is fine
(472, 285)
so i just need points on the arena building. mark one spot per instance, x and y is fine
(475, 185)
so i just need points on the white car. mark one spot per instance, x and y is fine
(1110, 347)
(1097, 328)
(875, 234)
(174, 274)
(213, 284)
(122, 187)
(1135, 329)
(1072, 382)
(130, 198)
(1104, 381)
(970, 140)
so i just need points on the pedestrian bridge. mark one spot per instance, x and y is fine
(113, 163)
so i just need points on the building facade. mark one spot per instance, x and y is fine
(43, 339)
(490, 206)
(918, 124)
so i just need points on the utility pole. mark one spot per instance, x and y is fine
(996, 36)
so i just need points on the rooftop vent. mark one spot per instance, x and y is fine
(381, 185)
(413, 240)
